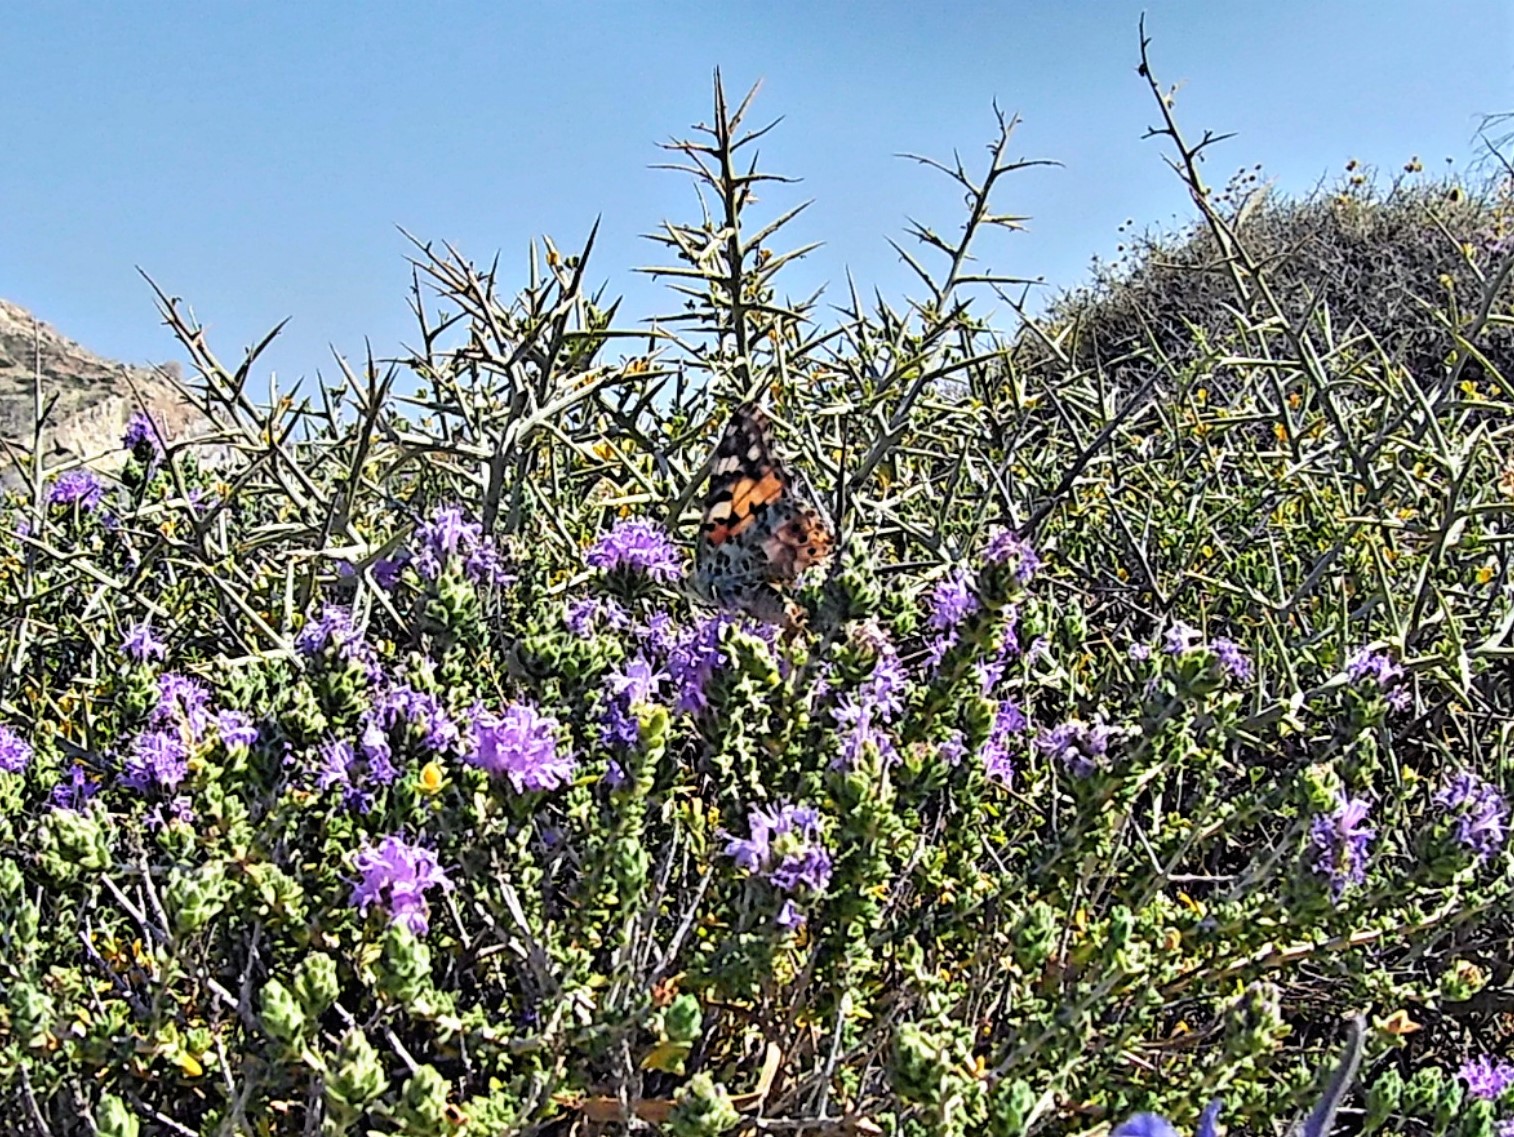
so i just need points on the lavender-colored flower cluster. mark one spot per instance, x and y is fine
(522, 746)
(1233, 660)
(447, 534)
(951, 601)
(419, 714)
(1341, 840)
(141, 644)
(158, 759)
(997, 752)
(236, 730)
(74, 789)
(15, 751)
(1079, 746)
(587, 614)
(1180, 638)
(1155, 1125)
(396, 875)
(1487, 1079)
(159, 756)
(354, 770)
(991, 669)
(141, 438)
(635, 683)
(637, 545)
(865, 715)
(1481, 812)
(786, 849)
(76, 487)
(1377, 669)
(334, 630)
(694, 658)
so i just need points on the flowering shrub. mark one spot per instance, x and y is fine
(391, 780)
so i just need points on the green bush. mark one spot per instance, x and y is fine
(1150, 719)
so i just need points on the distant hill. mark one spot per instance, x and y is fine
(95, 399)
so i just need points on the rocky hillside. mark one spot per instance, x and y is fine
(94, 398)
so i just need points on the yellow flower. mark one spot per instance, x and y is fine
(430, 780)
(1484, 574)
(1398, 1023)
(1280, 431)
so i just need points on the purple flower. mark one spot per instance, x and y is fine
(636, 544)
(446, 534)
(659, 633)
(182, 702)
(953, 749)
(1181, 638)
(585, 614)
(1373, 665)
(141, 438)
(785, 847)
(76, 486)
(159, 759)
(335, 631)
(387, 570)
(995, 753)
(1079, 746)
(693, 661)
(789, 917)
(74, 789)
(1341, 841)
(395, 875)
(1480, 810)
(991, 670)
(354, 770)
(179, 810)
(1155, 1125)
(15, 751)
(422, 716)
(450, 534)
(865, 716)
(952, 600)
(1005, 547)
(236, 730)
(1140, 652)
(522, 746)
(373, 743)
(1486, 1079)
(634, 684)
(1233, 661)
(141, 645)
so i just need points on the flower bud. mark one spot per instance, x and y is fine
(283, 1020)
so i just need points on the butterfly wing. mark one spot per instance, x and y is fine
(755, 531)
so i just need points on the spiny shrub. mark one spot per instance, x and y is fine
(388, 779)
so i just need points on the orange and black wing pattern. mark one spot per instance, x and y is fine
(756, 531)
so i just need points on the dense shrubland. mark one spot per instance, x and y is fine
(1151, 720)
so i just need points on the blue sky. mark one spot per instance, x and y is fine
(257, 158)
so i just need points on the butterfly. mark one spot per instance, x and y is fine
(757, 532)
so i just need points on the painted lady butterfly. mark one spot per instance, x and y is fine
(757, 533)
